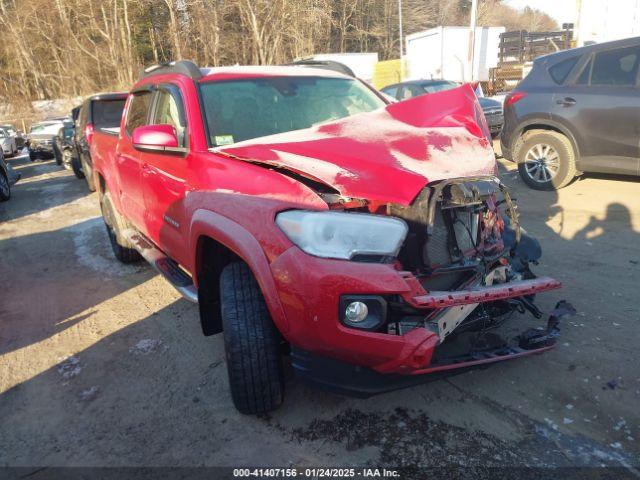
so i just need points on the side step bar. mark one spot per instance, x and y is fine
(165, 266)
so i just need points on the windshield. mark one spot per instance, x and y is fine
(46, 128)
(433, 87)
(243, 109)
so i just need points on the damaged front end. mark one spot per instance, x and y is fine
(471, 292)
(468, 263)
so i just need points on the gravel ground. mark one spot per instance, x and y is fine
(103, 364)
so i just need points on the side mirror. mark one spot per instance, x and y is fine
(156, 138)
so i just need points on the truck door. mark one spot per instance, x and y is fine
(164, 177)
(128, 160)
(602, 104)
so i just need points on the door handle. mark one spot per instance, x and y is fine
(566, 102)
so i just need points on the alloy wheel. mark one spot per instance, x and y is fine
(542, 163)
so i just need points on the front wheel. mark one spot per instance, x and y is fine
(57, 154)
(67, 159)
(546, 160)
(77, 169)
(252, 343)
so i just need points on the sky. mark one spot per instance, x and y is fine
(563, 11)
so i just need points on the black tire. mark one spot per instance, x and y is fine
(88, 174)
(5, 188)
(77, 169)
(123, 250)
(252, 343)
(57, 154)
(546, 160)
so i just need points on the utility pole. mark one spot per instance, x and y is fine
(472, 37)
(401, 40)
(400, 27)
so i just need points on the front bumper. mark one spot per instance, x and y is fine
(349, 379)
(495, 121)
(41, 146)
(310, 289)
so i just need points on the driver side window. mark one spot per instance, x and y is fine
(169, 111)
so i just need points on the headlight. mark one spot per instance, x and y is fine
(343, 235)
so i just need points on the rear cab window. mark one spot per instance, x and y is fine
(106, 114)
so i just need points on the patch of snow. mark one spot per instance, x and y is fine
(145, 346)
(92, 247)
(89, 394)
(70, 367)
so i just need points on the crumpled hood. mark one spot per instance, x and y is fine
(387, 155)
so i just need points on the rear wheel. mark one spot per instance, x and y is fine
(116, 225)
(252, 343)
(88, 174)
(5, 188)
(546, 160)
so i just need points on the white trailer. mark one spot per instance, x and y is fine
(600, 21)
(443, 52)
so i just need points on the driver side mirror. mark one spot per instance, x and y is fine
(156, 138)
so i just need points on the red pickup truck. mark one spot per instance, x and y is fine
(367, 244)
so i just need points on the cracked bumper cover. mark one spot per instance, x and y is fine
(318, 334)
(355, 380)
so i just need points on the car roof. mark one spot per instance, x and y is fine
(596, 47)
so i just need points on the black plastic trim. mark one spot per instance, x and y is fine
(181, 67)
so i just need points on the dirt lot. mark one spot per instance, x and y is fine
(104, 365)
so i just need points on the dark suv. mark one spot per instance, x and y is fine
(577, 111)
(100, 111)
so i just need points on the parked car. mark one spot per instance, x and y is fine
(102, 111)
(366, 243)
(7, 143)
(7, 178)
(16, 134)
(491, 108)
(576, 111)
(40, 139)
(64, 144)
